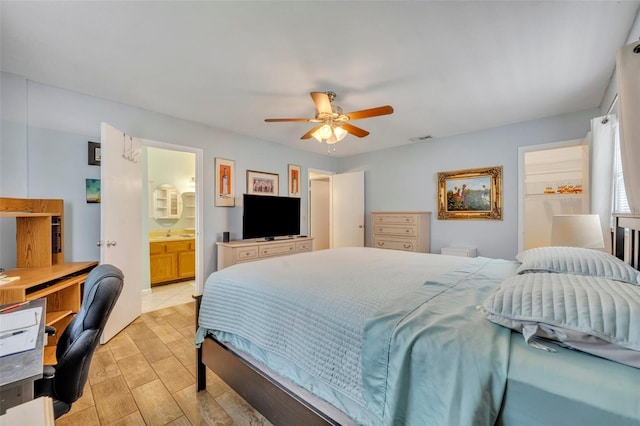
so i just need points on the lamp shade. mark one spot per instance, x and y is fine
(577, 230)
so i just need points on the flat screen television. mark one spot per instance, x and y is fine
(266, 216)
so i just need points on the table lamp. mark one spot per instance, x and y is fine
(577, 230)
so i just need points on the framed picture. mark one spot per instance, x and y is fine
(294, 180)
(94, 154)
(470, 194)
(225, 182)
(93, 190)
(261, 183)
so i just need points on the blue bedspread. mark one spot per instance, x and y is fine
(431, 356)
(387, 337)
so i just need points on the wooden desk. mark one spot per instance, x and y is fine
(18, 371)
(60, 284)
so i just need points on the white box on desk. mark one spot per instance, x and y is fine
(459, 251)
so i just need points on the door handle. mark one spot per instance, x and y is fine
(99, 243)
(360, 226)
(111, 243)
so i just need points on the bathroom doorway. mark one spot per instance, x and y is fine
(172, 197)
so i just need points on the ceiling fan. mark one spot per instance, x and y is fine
(332, 123)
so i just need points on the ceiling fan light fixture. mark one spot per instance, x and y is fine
(339, 132)
(331, 140)
(332, 123)
(316, 136)
(325, 131)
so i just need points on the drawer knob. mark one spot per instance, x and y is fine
(407, 246)
(407, 231)
(380, 243)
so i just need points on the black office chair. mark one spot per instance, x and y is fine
(65, 381)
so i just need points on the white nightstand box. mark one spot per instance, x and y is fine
(459, 251)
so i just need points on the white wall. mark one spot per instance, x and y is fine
(404, 178)
(43, 154)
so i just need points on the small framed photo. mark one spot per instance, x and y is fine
(261, 183)
(294, 180)
(94, 154)
(225, 182)
(92, 187)
(470, 194)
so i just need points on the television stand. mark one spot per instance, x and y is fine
(241, 251)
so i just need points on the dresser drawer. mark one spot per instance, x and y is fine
(398, 219)
(303, 246)
(246, 253)
(409, 231)
(408, 244)
(276, 249)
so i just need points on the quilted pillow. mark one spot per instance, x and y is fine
(580, 261)
(591, 314)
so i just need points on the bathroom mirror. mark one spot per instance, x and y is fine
(167, 204)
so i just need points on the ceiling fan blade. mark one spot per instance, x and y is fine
(355, 131)
(310, 132)
(372, 112)
(278, 120)
(321, 100)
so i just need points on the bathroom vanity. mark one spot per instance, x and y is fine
(172, 258)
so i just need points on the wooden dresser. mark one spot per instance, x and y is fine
(250, 250)
(408, 231)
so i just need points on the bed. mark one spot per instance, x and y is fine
(370, 336)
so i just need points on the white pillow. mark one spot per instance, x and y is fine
(591, 314)
(580, 261)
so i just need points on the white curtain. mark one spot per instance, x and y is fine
(628, 77)
(603, 139)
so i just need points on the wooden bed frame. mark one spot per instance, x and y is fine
(279, 405)
(283, 407)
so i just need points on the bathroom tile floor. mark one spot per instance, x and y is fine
(164, 296)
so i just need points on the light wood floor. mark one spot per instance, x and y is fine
(146, 375)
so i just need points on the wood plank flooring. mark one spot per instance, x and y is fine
(146, 376)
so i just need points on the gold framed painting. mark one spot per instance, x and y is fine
(294, 180)
(225, 182)
(470, 194)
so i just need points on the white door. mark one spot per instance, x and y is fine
(347, 209)
(121, 221)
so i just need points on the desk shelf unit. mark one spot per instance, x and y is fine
(40, 264)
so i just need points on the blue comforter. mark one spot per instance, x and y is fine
(387, 337)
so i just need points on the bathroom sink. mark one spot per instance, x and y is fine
(171, 237)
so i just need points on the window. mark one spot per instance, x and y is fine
(620, 203)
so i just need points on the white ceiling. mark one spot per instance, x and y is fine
(446, 67)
